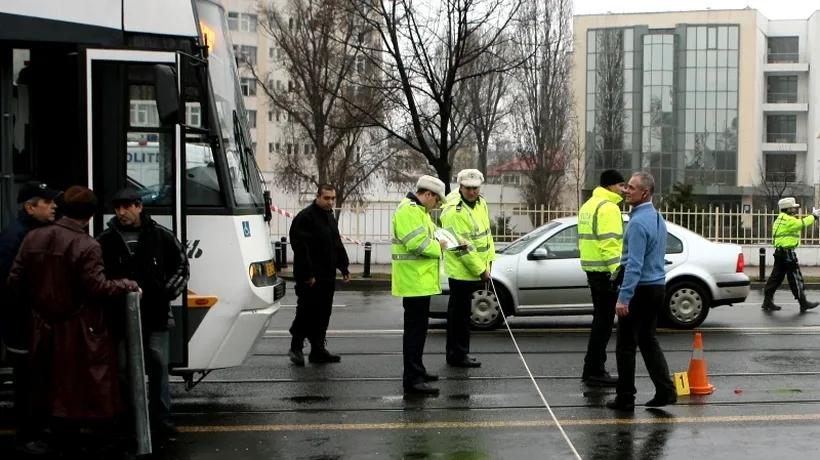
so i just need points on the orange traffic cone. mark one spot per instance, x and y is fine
(698, 381)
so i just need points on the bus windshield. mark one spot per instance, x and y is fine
(245, 176)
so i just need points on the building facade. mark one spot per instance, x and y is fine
(723, 100)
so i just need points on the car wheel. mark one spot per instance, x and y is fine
(687, 305)
(485, 314)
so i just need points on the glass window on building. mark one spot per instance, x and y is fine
(710, 115)
(781, 167)
(783, 50)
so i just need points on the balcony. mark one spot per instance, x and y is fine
(784, 142)
(785, 63)
(786, 102)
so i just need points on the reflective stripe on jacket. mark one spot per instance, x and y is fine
(601, 232)
(416, 251)
(472, 224)
(786, 230)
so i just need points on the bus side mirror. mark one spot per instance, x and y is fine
(167, 95)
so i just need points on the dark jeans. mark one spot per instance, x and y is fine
(155, 351)
(785, 264)
(459, 308)
(416, 313)
(603, 318)
(637, 329)
(313, 307)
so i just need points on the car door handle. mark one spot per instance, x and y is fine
(668, 262)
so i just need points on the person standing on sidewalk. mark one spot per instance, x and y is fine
(468, 270)
(416, 254)
(317, 253)
(600, 240)
(38, 210)
(136, 247)
(641, 296)
(786, 233)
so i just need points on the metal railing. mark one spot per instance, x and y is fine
(372, 223)
(785, 58)
(784, 138)
(786, 98)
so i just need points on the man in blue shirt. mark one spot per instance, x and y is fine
(641, 295)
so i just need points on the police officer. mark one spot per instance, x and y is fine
(467, 214)
(786, 233)
(600, 240)
(37, 210)
(416, 255)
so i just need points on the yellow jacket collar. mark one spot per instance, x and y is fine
(601, 192)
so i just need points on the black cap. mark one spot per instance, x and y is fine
(126, 196)
(611, 177)
(35, 189)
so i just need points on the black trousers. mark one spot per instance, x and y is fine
(314, 305)
(459, 308)
(637, 329)
(416, 314)
(24, 422)
(785, 264)
(603, 318)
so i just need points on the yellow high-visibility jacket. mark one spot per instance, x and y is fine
(473, 225)
(786, 230)
(601, 232)
(416, 251)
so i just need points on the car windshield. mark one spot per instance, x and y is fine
(518, 245)
(233, 119)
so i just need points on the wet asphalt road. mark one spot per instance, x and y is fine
(765, 368)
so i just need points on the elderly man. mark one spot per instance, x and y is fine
(786, 234)
(37, 210)
(466, 213)
(641, 296)
(416, 255)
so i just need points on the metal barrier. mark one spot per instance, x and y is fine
(368, 250)
(136, 373)
(762, 263)
(284, 246)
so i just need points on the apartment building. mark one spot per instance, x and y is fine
(723, 99)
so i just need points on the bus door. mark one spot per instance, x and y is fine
(135, 139)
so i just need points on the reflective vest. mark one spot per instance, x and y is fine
(601, 232)
(472, 224)
(786, 230)
(416, 252)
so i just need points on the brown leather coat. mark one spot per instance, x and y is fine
(59, 274)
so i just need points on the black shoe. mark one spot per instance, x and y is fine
(602, 380)
(421, 389)
(319, 355)
(430, 378)
(769, 305)
(621, 406)
(467, 361)
(296, 356)
(661, 400)
(806, 305)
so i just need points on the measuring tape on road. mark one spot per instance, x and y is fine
(537, 388)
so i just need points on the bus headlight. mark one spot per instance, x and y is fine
(263, 273)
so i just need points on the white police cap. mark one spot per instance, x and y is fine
(470, 178)
(432, 184)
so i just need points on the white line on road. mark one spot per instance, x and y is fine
(334, 306)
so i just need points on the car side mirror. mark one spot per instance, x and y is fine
(539, 254)
(167, 95)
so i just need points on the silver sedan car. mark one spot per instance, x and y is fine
(540, 274)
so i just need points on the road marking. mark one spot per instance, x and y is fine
(271, 333)
(334, 306)
(499, 424)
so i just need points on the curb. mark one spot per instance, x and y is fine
(384, 285)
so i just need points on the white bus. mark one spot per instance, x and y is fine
(146, 94)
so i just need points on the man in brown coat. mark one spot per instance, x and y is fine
(58, 273)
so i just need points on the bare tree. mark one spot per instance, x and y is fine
(543, 106)
(481, 97)
(577, 162)
(317, 45)
(429, 52)
(777, 180)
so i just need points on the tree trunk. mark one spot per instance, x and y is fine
(443, 170)
(482, 158)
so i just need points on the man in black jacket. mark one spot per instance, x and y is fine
(317, 253)
(38, 209)
(136, 247)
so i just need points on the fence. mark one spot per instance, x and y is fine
(372, 222)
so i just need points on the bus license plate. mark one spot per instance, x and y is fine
(270, 270)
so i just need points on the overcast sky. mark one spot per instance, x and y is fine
(772, 9)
